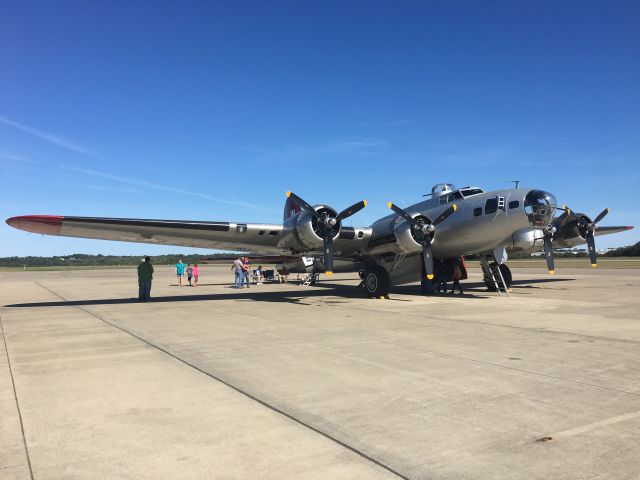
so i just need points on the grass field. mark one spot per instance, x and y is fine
(603, 262)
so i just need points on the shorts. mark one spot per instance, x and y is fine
(189, 277)
(180, 275)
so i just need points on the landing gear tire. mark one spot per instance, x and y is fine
(506, 274)
(376, 281)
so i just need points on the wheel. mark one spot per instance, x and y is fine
(376, 281)
(506, 274)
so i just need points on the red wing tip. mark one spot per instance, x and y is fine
(628, 228)
(49, 224)
(48, 219)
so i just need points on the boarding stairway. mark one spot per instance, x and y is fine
(492, 275)
(310, 279)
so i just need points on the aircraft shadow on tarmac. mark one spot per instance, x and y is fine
(291, 296)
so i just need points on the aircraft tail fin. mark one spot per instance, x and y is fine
(291, 207)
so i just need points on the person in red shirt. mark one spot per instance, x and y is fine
(246, 266)
(196, 274)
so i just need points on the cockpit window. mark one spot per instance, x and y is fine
(540, 207)
(471, 191)
(450, 197)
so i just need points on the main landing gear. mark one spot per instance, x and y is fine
(376, 281)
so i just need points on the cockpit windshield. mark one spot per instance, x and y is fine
(540, 207)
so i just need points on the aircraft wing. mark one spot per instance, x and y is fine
(255, 237)
(609, 230)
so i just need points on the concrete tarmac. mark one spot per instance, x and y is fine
(286, 381)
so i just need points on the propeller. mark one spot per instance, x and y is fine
(547, 239)
(588, 230)
(548, 247)
(566, 211)
(422, 231)
(328, 226)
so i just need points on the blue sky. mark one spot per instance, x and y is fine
(212, 111)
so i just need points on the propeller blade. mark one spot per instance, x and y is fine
(566, 211)
(444, 215)
(328, 253)
(601, 216)
(402, 213)
(591, 246)
(427, 257)
(548, 253)
(302, 203)
(353, 209)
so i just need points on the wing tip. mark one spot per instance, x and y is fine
(45, 224)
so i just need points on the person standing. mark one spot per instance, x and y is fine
(145, 275)
(189, 274)
(196, 274)
(180, 271)
(456, 275)
(237, 270)
(441, 276)
(246, 267)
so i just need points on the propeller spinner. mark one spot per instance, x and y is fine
(422, 232)
(327, 226)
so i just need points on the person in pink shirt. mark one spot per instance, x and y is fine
(196, 273)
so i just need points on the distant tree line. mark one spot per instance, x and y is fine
(630, 251)
(84, 260)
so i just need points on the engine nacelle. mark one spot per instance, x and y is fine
(301, 231)
(528, 240)
(572, 231)
(394, 236)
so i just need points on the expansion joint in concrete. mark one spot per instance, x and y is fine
(237, 389)
(15, 396)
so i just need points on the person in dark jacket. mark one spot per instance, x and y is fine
(145, 275)
(442, 276)
(456, 275)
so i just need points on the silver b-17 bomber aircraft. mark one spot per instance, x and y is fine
(397, 249)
